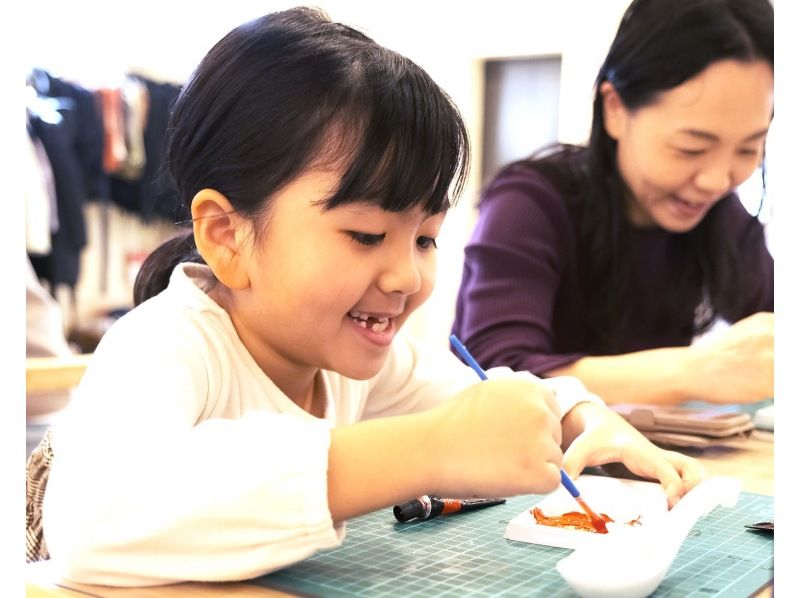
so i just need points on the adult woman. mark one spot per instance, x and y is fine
(604, 262)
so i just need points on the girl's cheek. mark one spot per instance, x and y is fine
(427, 285)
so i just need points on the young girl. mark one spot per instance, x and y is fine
(229, 424)
(605, 262)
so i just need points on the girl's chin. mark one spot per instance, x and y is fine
(363, 371)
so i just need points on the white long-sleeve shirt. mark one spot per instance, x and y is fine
(179, 459)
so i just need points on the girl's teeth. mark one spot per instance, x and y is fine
(362, 319)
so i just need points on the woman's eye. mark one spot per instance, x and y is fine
(426, 243)
(366, 239)
(691, 153)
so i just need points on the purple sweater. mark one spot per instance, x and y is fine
(521, 298)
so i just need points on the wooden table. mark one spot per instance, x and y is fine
(748, 458)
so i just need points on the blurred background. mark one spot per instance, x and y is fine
(521, 73)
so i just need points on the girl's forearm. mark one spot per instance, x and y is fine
(378, 463)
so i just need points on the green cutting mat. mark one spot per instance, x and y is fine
(466, 555)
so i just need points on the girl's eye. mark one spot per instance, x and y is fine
(691, 153)
(748, 152)
(426, 243)
(366, 239)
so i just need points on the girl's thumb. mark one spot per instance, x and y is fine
(575, 458)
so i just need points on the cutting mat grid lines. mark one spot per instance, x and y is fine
(466, 555)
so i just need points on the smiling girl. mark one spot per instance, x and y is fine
(262, 391)
(604, 262)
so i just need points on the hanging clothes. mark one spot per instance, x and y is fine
(134, 100)
(67, 123)
(62, 265)
(87, 142)
(41, 208)
(114, 149)
(152, 195)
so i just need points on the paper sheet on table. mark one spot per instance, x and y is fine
(622, 500)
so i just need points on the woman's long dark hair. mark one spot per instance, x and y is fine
(659, 45)
(291, 89)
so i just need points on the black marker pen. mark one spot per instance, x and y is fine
(427, 506)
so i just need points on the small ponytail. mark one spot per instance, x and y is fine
(156, 270)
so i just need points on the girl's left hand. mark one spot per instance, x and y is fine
(596, 435)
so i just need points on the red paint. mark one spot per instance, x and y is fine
(576, 520)
(597, 522)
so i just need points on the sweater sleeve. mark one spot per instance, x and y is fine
(144, 490)
(514, 265)
(757, 262)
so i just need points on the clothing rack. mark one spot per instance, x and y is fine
(80, 125)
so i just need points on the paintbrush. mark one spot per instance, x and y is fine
(597, 522)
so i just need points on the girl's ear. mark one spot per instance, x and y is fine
(615, 114)
(220, 234)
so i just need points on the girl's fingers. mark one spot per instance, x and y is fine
(691, 471)
(576, 457)
(672, 483)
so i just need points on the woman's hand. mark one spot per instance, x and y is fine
(738, 366)
(596, 435)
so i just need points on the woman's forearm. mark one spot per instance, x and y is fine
(736, 367)
(656, 376)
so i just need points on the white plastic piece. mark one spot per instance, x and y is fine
(632, 563)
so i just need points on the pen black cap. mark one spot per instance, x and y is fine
(413, 509)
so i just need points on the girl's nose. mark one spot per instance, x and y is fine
(402, 274)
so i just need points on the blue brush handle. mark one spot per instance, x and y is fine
(569, 485)
(462, 350)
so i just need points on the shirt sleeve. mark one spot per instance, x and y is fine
(514, 264)
(570, 391)
(142, 493)
(418, 379)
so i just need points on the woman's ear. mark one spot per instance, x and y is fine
(615, 114)
(220, 234)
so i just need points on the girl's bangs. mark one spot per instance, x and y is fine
(408, 150)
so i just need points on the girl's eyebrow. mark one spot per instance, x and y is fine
(360, 208)
(705, 135)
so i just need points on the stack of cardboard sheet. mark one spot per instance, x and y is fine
(764, 418)
(686, 426)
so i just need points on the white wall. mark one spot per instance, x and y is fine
(96, 42)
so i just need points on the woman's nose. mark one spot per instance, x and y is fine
(715, 177)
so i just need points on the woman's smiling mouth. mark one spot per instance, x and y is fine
(688, 208)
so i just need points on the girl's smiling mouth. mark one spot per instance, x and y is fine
(376, 323)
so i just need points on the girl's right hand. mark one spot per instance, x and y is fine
(737, 367)
(499, 437)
